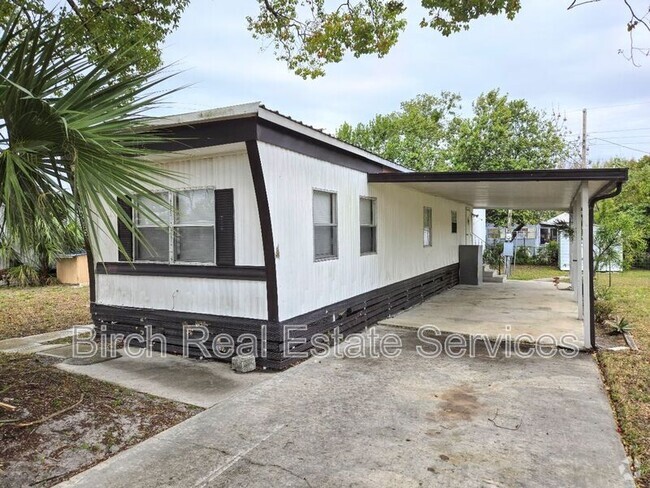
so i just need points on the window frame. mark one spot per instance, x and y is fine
(172, 225)
(454, 222)
(372, 225)
(427, 212)
(334, 224)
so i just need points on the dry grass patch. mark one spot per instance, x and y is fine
(65, 423)
(627, 375)
(28, 311)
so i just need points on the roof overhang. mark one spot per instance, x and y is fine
(552, 189)
(209, 128)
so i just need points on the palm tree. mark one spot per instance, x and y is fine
(73, 135)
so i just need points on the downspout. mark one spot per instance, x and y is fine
(592, 294)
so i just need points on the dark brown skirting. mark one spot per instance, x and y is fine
(249, 273)
(348, 315)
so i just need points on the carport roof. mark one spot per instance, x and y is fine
(533, 189)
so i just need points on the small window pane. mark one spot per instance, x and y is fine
(427, 226)
(368, 240)
(324, 241)
(194, 244)
(157, 244)
(366, 211)
(324, 208)
(195, 207)
(454, 222)
(152, 207)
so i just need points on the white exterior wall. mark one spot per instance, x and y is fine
(225, 168)
(234, 298)
(305, 285)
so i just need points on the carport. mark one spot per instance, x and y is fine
(571, 190)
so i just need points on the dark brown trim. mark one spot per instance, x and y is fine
(294, 141)
(267, 230)
(249, 273)
(348, 316)
(616, 174)
(249, 128)
(215, 133)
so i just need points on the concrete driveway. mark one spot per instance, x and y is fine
(403, 422)
(535, 310)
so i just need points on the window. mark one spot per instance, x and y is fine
(454, 222)
(189, 234)
(428, 219)
(368, 224)
(194, 226)
(325, 225)
(156, 238)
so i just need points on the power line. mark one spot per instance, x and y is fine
(602, 107)
(622, 145)
(618, 130)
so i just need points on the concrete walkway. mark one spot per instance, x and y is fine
(534, 310)
(40, 342)
(408, 421)
(200, 383)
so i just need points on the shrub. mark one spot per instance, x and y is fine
(549, 254)
(522, 256)
(23, 275)
(603, 310)
(621, 325)
(492, 254)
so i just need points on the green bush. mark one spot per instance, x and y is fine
(549, 254)
(522, 256)
(492, 254)
(22, 275)
(603, 310)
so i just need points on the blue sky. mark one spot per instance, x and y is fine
(556, 59)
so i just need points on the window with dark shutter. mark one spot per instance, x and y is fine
(123, 232)
(225, 227)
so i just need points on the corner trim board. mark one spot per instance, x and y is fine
(268, 245)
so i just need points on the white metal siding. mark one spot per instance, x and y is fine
(305, 285)
(219, 171)
(235, 298)
(212, 296)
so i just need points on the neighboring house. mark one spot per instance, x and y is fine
(531, 236)
(279, 225)
(564, 243)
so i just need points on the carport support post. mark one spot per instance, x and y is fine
(576, 247)
(586, 266)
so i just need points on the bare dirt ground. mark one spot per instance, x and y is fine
(64, 423)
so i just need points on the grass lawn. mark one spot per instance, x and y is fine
(627, 375)
(64, 423)
(28, 311)
(534, 272)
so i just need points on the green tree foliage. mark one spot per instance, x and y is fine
(100, 27)
(72, 136)
(307, 35)
(415, 136)
(625, 219)
(429, 134)
(507, 134)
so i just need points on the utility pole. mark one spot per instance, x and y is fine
(584, 137)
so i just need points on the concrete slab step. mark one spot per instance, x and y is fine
(495, 279)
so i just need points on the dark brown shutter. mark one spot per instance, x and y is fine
(123, 232)
(225, 227)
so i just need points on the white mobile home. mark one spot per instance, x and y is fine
(278, 224)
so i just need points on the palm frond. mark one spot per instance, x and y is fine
(73, 134)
